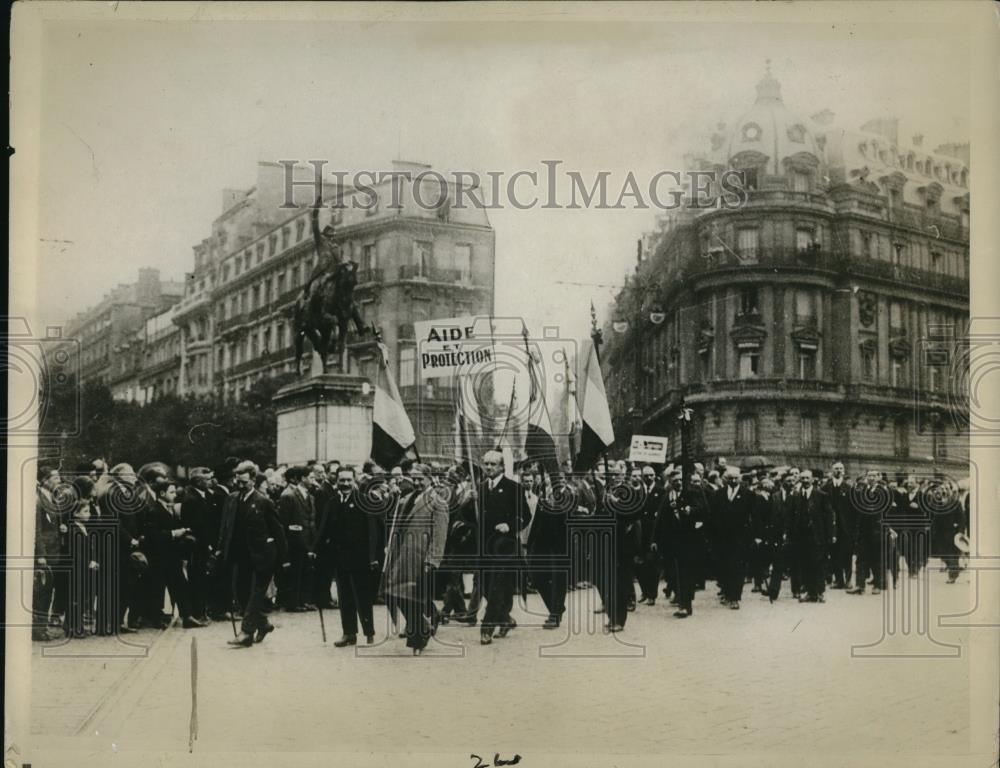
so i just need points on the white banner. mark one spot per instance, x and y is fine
(449, 346)
(648, 448)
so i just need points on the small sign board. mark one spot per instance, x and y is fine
(648, 448)
(449, 346)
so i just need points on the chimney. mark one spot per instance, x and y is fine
(958, 151)
(231, 197)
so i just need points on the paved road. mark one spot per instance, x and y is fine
(779, 678)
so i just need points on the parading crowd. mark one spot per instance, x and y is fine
(235, 544)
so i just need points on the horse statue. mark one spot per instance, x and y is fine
(326, 304)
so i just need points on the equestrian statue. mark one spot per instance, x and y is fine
(326, 304)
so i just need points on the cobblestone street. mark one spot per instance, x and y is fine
(768, 679)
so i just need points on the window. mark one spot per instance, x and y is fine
(705, 357)
(286, 235)
(748, 239)
(237, 265)
(750, 178)
(894, 198)
(253, 347)
(869, 362)
(896, 322)
(746, 432)
(901, 438)
(807, 362)
(805, 308)
(748, 302)
(300, 228)
(255, 297)
(295, 277)
(260, 252)
(407, 366)
(463, 260)
(800, 181)
(873, 247)
(272, 243)
(281, 341)
(936, 261)
(267, 291)
(803, 239)
(281, 283)
(423, 253)
(369, 257)
(898, 252)
(897, 372)
(809, 432)
(940, 443)
(749, 363)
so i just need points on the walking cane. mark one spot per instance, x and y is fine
(232, 602)
(322, 624)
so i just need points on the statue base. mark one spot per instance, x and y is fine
(323, 418)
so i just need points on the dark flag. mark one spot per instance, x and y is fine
(539, 445)
(393, 438)
(597, 434)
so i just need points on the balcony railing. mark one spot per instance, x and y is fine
(411, 272)
(927, 222)
(833, 262)
(232, 322)
(370, 276)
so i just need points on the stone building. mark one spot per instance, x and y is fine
(817, 320)
(415, 263)
(106, 329)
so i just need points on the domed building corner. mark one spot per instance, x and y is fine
(816, 320)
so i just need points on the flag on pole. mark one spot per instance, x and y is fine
(393, 438)
(573, 425)
(509, 443)
(597, 434)
(539, 445)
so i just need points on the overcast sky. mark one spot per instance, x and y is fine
(145, 123)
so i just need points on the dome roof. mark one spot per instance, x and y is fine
(770, 129)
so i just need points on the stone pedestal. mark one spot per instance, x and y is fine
(325, 417)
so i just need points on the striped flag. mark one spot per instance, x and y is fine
(393, 438)
(597, 434)
(539, 445)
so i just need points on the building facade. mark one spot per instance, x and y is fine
(818, 320)
(415, 263)
(107, 330)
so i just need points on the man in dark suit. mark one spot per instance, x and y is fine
(815, 534)
(297, 514)
(732, 534)
(911, 513)
(254, 532)
(47, 551)
(871, 503)
(778, 537)
(505, 511)
(651, 565)
(838, 491)
(682, 513)
(352, 531)
(324, 558)
(547, 540)
(200, 515)
(167, 543)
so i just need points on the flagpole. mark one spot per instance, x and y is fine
(380, 346)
